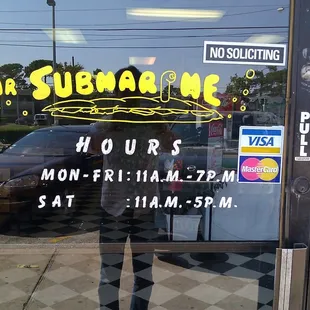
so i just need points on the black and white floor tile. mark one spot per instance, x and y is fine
(71, 282)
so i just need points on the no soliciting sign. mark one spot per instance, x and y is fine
(244, 53)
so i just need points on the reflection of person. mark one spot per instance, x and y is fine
(118, 198)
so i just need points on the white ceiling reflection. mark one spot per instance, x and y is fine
(175, 14)
(142, 60)
(73, 36)
(266, 39)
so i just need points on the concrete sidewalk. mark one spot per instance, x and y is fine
(49, 278)
(66, 278)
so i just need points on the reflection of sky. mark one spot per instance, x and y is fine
(96, 18)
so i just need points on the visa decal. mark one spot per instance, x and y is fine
(261, 141)
(260, 154)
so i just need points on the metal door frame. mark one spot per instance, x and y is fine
(295, 209)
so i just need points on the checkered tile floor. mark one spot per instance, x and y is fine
(85, 223)
(84, 218)
(69, 280)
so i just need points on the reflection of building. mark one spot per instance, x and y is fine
(23, 101)
(227, 104)
(265, 103)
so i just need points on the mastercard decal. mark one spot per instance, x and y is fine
(259, 169)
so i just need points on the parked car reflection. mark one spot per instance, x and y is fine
(28, 120)
(22, 164)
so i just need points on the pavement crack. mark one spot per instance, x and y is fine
(48, 265)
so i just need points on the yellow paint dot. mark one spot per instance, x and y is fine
(25, 113)
(245, 92)
(229, 115)
(235, 99)
(243, 108)
(8, 102)
(250, 74)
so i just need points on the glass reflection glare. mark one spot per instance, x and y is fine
(151, 13)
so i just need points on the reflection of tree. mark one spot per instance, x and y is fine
(62, 68)
(271, 83)
(37, 64)
(174, 91)
(95, 72)
(73, 69)
(14, 71)
(95, 93)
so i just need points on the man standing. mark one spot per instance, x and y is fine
(118, 198)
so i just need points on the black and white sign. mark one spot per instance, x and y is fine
(244, 53)
(304, 128)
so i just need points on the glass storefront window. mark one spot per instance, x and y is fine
(142, 130)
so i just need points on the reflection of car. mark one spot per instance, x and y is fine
(41, 119)
(24, 120)
(22, 164)
(250, 118)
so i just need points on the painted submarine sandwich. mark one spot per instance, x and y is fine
(148, 110)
